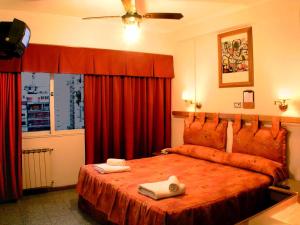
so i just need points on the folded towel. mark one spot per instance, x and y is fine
(104, 168)
(161, 189)
(116, 162)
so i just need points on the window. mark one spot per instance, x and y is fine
(62, 110)
(68, 104)
(35, 101)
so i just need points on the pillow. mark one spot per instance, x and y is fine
(210, 133)
(267, 142)
(244, 161)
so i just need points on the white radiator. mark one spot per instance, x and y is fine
(36, 168)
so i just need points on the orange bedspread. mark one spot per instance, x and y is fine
(215, 193)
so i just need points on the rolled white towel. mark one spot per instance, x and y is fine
(104, 168)
(161, 189)
(116, 162)
(173, 184)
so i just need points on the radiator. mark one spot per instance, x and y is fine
(36, 168)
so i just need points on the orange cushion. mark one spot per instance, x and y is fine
(209, 133)
(261, 143)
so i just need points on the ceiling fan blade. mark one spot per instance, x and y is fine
(129, 6)
(140, 6)
(100, 17)
(172, 16)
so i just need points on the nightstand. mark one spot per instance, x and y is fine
(293, 184)
(285, 208)
(157, 153)
(277, 191)
(161, 152)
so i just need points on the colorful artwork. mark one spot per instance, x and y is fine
(235, 56)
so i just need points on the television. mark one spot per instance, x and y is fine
(14, 38)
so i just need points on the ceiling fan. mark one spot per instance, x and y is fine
(132, 17)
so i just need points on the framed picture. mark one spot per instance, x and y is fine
(235, 55)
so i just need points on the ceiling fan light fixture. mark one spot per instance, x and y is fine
(132, 32)
(131, 18)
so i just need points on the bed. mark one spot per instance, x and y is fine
(221, 188)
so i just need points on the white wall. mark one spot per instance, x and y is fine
(276, 46)
(73, 31)
(68, 154)
(66, 158)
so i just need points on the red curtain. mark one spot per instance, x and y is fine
(10, 137)
(60, 59)
(126, 117)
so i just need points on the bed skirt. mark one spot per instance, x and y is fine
(90, 210)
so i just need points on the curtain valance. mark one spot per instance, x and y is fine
(61, 59)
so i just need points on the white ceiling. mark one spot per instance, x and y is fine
(193, 10)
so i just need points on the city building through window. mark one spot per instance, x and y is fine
(68, 104)
(68, 107)
(35, 102)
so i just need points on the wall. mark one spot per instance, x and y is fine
(68, 154)
(66, 158)
(73, 31)
(276, 46)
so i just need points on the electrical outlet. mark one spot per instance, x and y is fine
(237, 105)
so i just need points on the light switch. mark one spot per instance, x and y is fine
(237, 105)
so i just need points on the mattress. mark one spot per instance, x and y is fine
(220, 189)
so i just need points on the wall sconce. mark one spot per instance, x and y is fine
(197, 104)
(282, 105)
(188, 99)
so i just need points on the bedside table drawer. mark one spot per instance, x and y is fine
(277, 195)
(284, 205)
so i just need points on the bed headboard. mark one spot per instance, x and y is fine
(205, 132)
(268, 142)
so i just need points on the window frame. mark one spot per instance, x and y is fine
(52, 132)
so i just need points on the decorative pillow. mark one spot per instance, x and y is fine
(245, 161)
(200, 152)
(210, 133)
(267, 142)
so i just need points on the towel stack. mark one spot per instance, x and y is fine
(112, 166)
(162, 189)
